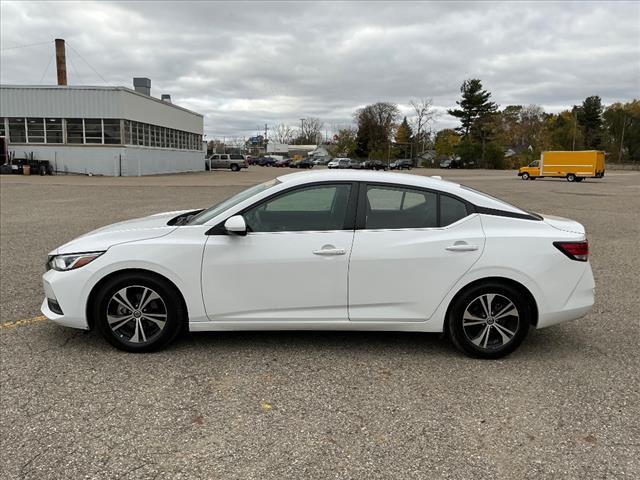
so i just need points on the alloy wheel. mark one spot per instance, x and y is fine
(136, 314)
(490, 321)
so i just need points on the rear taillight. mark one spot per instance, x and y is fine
(574, 250)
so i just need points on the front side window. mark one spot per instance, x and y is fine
(212, 212)
(397, 207)
(314, 208)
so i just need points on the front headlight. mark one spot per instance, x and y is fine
(63, 263)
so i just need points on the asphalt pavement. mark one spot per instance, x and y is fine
(341, 405)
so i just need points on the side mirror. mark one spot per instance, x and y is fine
(236, 225)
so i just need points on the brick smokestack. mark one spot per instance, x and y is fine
(61, 62)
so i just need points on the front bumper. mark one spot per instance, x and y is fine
(65, 289)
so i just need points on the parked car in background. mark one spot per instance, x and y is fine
(449, 163)
(250, 160)
(303, 163)
(375, 165)
(283, 162)
(321, 160)
(357, 261)
(266, 161)
(355, 164)
(229, 161)
(339, 163)
(401, 165)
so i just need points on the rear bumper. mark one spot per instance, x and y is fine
(579, 303)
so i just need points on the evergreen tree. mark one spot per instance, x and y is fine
(475, 106)
(590, 119)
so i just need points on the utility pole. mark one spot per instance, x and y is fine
(575, 125)
(624, 122)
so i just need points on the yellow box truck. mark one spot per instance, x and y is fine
(574, 166)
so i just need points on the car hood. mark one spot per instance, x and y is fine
(565, 224)
(144, 228)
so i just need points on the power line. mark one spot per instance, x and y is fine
(75, 69)
(46, 69)
(25, 46)
(85, 61)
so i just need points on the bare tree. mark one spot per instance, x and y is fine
(282, 133)
(424, 115)
(311, 130)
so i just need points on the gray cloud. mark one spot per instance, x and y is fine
(246, 64)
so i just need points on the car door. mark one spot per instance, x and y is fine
(293, 263)
(410, 248)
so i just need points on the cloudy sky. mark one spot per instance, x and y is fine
(246, 64)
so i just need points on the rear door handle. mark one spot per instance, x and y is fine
(462, 247)
(330, 251)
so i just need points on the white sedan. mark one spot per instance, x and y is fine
(339, 250)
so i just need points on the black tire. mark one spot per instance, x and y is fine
(469, 303)
(235, 167)
(525, 176)
(135, 283)
(571, 177)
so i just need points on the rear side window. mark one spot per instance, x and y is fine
(395, 207)
(392, 207)
(451, 210)
(236, 157)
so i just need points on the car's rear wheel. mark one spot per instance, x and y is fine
(489, 320)
(571, 177)
(138, 312)
(235, 168)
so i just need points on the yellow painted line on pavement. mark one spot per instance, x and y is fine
(24, 321)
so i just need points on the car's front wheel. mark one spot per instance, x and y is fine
(525, 176)
(138, 312)
(489, 320)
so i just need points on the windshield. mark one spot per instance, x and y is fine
(214, 211)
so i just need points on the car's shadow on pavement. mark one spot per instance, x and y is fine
(555, 341)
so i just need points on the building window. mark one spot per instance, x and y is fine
(35, 130)
(92, 130)
(139, 135)
(53, 130)
(17, 130)
(111, 131)
(74, 130)
(2, 132)
(127, 132)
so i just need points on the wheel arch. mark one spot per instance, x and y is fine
(106, 278)
(507, 281)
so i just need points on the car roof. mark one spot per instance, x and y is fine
(410, 180)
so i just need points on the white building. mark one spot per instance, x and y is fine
(101, 130)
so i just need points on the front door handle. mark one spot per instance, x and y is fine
(462, 247)
(330, 251)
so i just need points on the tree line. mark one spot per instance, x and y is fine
(490, 137)
(486, 137)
